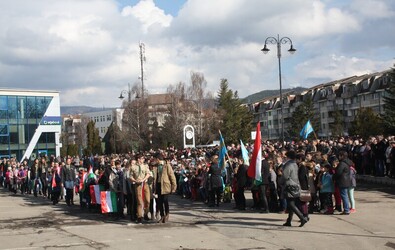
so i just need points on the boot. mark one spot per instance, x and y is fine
(166, 218)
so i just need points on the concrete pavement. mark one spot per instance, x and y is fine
(33, 223)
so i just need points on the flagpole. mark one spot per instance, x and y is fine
(315, 135)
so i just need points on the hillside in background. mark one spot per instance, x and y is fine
(268, 93)
(75, 110)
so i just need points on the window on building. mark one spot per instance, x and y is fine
(3, 102)
(323, 115)
(3, 116)
(108, 117)
(14, 138)
(21, 107)
(31, 111)
(12, 109)
(3, 129)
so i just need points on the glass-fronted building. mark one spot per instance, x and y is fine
(30, 123)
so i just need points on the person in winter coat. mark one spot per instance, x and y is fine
(241, 182)
(303, 176)
(68, 180)
(265, 172)
(56, 184)
(353, 177)
(290, 182)
(216, 183)
(343, 180)
(165, 184)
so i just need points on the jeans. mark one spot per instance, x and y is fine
(69, 196)
(379, 164)
(344, 195)
(351, 196)
(163, 201)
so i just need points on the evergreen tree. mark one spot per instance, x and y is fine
(366, 124)
(388, 117)
(72, 149)
(93, 139)
(235, 118)
(303, 113)
(113, 141)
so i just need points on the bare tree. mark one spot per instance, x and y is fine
(135, 119)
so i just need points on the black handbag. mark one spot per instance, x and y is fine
(292, 190)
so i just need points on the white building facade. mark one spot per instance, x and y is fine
(104, 118)
(30, 123)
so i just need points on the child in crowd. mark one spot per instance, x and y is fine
(326, 190)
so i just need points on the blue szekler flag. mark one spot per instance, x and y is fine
(222, 151)
(244, 154)
(306, 130)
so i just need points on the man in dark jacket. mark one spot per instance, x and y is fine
(343, 180)
(241, 180)
(68, 180)
(265, 172)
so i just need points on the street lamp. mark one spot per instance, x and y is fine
(126, 92)
(278, 41)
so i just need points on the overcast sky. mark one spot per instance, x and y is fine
(89, 49)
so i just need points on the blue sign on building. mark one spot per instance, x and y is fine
(51, 120)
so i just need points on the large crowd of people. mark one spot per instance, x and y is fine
(305, 177)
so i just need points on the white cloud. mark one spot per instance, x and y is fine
(372, 9)
(148, 14)
(88, 49)
(334, 67)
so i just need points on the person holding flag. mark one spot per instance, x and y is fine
(259, 171)
(216, 182)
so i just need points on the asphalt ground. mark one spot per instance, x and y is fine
(28, 222)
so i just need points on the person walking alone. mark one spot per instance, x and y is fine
(290, 182)
(165, 183)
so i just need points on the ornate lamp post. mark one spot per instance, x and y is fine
(278, 41)
(126, 92)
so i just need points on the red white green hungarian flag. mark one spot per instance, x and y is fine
(95, 194)
(108, 202)
(254, 170)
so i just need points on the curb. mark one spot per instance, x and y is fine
(386, 181)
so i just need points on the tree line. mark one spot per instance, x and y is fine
(193, 104)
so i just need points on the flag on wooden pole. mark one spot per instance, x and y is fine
(254, 170)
